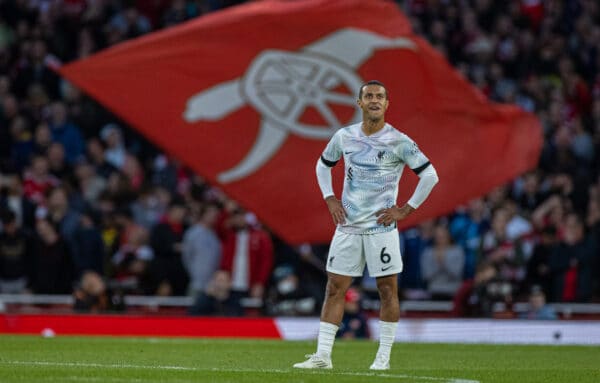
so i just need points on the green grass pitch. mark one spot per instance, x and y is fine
(178, 360)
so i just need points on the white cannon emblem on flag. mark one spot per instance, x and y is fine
(280, 85)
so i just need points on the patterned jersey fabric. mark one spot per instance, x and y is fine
(373, 167)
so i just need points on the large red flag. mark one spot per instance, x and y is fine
(249, 96)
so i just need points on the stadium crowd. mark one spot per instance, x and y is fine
(89, 207)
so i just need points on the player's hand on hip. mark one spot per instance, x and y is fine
(393, 214)
(336, 209)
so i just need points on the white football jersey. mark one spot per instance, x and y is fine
(373, 167)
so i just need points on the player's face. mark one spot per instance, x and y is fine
(373, 102)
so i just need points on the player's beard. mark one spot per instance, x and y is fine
(374, 118)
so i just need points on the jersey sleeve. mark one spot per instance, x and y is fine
(333, 151)
(410, 154)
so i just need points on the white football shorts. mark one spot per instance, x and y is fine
(348, 254)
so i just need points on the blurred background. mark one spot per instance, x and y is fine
(94, 218)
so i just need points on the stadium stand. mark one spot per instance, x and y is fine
(95, 218)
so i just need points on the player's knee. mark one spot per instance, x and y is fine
(334, 290)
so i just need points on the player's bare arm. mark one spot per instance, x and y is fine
(393, 214)
(336, 209)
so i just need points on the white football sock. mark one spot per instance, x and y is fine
(387, 334)
(327, 333)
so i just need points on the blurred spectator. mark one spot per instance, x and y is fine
(36, 69)
(150, 206)
(115, 152)
(247, 255)
(496, 198)
(57, 164)
(166, 269)
(22, 142)
(305, 263)
(179, 11)
(131, 260)
(311, 268)
(119, 189)
(476, 297)
(59, 212)
(287, 296)
(467, 230)
(65, 132)
(88, 253)
(164, 173)
(218, 298)
(517, 227)
(442, 265)
(201, 249)
(538, 267)
(582, 143)
(571, 263)
(128, 23)
(9, 110)
(38, 181)
(36, 104)
(91, 294)
(132, 169)
(89, 184)
(551, 213)
(506, 254)
(42, 138)
(537, 308)
(15, 255)
(97, 157)
(52, 269)
(564, 185)
(412, 241)
(354, 322)
(109, 229)
(592, 220)
(12, 198)
(530, 196)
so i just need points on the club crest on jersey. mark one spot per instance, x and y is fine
(282, 85)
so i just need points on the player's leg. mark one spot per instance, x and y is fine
(345, 261)
(332, 312)
(384, 262)
(389, 315)
(335, 292)
(331, 317)
(388, 294)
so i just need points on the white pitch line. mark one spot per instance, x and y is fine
(98, 365)
(240, 370)
(77, 378)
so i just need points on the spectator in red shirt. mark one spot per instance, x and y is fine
(38, 180)
(571, 263)
(247, 255)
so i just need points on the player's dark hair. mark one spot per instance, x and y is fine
(372, 82)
